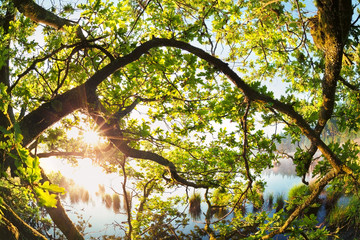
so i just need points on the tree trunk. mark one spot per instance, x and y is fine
(25, 231)
(8, 230)
(61, 219)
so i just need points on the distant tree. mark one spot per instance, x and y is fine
(179, 89)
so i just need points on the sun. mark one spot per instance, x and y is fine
(83, 132)
(91, 137)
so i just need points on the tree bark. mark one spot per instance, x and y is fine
(8, 230)
(61, 219)
(334, 20)
(334, 23)
(25, 231)
(40, 15)
(34, 123)
(46, 115)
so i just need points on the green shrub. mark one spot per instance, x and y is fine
(271, 200)
(297, 195)
(280, 202)
(298, 192)
(346, 217)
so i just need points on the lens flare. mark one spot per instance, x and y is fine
(91, 137)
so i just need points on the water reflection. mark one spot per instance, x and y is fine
(113, 206)
(101, 190)
(107, 200)
(75, 192)
(195, 206)
(113, 200)
(283, 167)
(219, 212)
(78, 194)
(116, 203)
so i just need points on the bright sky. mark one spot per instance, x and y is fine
(86, 174)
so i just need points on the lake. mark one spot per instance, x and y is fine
(87, 200)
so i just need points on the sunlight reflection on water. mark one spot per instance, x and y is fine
(279, 180)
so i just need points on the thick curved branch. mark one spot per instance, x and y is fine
(76, 98)
(60, 154)
(111, 131)
(25, 230)
(40, 15)
(33, 124)
(61, 219)
(315, 193)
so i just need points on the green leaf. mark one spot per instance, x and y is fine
(51, 187)
(45, 198)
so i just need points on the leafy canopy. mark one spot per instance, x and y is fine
(196, 94)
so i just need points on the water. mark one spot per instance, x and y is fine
(281, 178)
(94, 212)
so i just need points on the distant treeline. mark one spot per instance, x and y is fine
(331, 133)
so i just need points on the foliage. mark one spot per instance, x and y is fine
(191, 94)
(298, 193)
(21, 200)
(346, 217)
(280, 202)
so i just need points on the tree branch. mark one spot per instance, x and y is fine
(315, 193)
(60, 218)
(37, 121)
(334, 20)
(24, 229)
(122, 112)
(76, 98)
(60, 154)
(40, 15)
(115, 135)
(8, 230)
(349, 85)
(334, 24)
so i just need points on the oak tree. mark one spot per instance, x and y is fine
(183, 92)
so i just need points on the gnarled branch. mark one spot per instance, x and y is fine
(114, 134)
(25, 230)
(40, 15)
(76, 98)
(60, 218)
